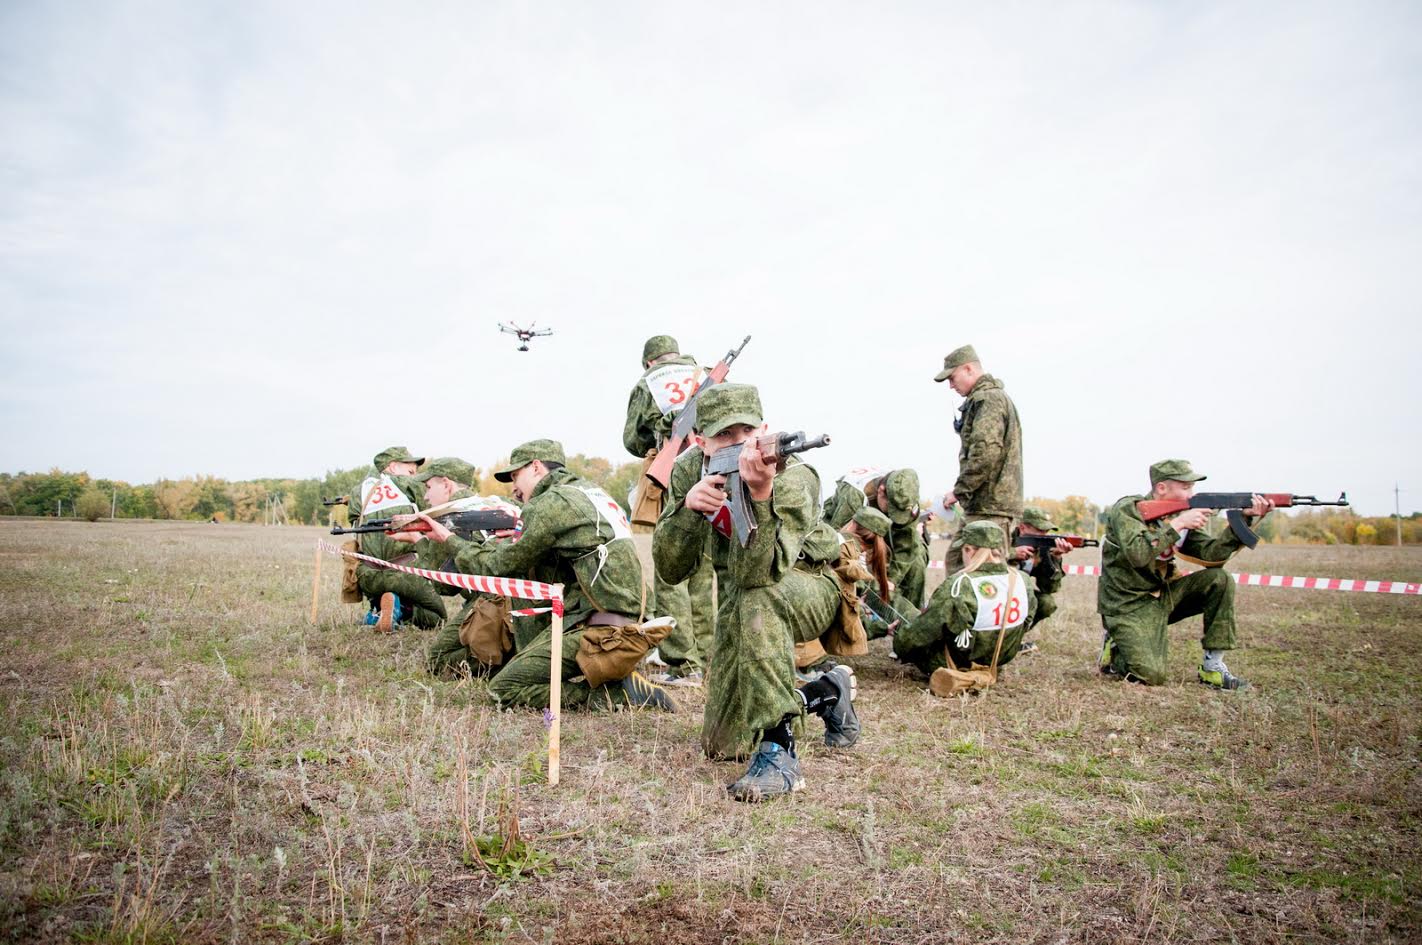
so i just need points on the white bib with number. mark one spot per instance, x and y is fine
(991, 590)
(378, 495)
(859, 476)
(672, 385)
(607, 510)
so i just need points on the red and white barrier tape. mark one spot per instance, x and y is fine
(1277, 580)
(508, 587)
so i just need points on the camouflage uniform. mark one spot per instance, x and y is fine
(773, 593)
(989, 486)
(1046, 581)
(953, 609)
(446, 653)
(563, 541)
(1140, 593)
(872, 613)
(841, 506)
(908, 567)
(688, 601)
(419, 601)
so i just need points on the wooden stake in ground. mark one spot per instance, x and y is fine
(555, 686)
(316, 586)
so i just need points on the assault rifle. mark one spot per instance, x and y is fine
(1232, 503)
(660, 470)
(727, 462)
(1044, 543)
(336, 500)
(464, 524)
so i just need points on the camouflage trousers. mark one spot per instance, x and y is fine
(523, 680)
(1140, 644)
(953, 557)
(419, 601)
(690, 602)
(930, 653)
(750, 686)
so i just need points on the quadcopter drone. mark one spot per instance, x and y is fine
(525, 334)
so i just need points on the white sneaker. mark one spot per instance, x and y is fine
(654, 658)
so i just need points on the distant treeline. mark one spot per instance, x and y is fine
(298, 501)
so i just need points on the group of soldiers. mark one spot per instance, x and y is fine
(764, 617)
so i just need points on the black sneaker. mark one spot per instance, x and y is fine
(841, 721)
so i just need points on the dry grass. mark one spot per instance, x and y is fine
(185, 759)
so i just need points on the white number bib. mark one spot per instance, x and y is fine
(991, 590)
(859, 476)
(672, 385)
(377, 495)
(607, 510)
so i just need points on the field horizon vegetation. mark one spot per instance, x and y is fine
(187, 759)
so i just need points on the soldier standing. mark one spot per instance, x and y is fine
(989, 486)
(777, 590)
(668, 380)
(1140, 594)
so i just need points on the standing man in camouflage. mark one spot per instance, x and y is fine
(1140, 593)
(668, 380)
(394, 596)
(775, 592)
(989, 486)
(574, 534)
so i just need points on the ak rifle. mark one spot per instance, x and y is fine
(1041, 544)
(1232, 503)
(336, 500)
(464, 524)
(660, 470)
(727, 462)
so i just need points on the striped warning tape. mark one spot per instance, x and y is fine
(1278, 580)
(508, 587)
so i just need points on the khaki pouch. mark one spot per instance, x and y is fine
(350, 581)
(808, 653)
(607, 654)
(846, 636)
(488, 630)
(647, 504)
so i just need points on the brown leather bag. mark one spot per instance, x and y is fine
(488, 630)
(647, 503)
(350, 581)
(846, 636)
(607, 653)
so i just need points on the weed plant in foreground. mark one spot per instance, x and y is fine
(186, 759)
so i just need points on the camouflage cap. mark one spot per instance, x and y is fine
(901, 491)
(658, 345)
(450, 467)
(1038, 518)
(956, 359)
(983, 535)
(395, 454)
(871, 519)
(726, 405)
(549, 451)
(1176, 469)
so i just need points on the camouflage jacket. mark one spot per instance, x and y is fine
(646, 425)
(1138, 558)
(788, 523)
(840, 507)
(923, 640)
(990, 455)
(563, 534)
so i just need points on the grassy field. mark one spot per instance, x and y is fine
(185, 759)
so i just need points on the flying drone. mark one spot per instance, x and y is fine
(524, 334)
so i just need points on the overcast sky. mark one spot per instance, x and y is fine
(253, 239)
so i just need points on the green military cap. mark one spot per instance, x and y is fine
(395, 454)
(658, 345)
(901, 491)
(873, 520)
(450, 467)
(726, 405)
(956, 359)
(549, 451)
(983, 535)
(1177, 469)
(1038, 518)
